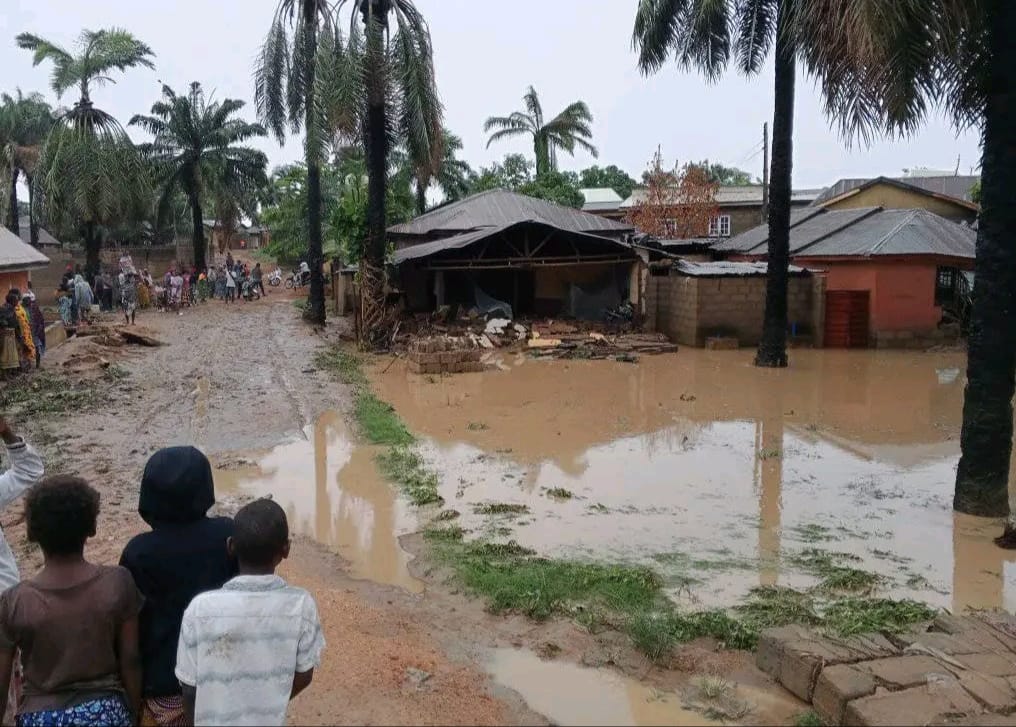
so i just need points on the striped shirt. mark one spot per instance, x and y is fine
(240, 647)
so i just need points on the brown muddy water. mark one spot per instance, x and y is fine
(332, 492)
(713, 471)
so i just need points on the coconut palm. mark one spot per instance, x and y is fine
(704, 34)
(24, 123)
(884, 72)
(89, 173)
(287, 96)
(567, 130)
(452, 174)
(197, 147)
(380, 87)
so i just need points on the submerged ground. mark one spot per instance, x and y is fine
(717, 476)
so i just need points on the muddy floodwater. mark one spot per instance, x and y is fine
(332, 492)
(715, 472)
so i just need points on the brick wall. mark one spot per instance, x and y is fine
(46, 280)
(688, 310)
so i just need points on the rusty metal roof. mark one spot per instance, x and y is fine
(862, 232)
(499, 207)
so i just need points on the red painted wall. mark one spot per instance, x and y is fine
(17, 279)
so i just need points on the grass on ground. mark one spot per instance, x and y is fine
(34, 394)
(403, 466)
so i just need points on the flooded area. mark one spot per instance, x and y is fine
(575, 695)
(718, 474)
(331, 491)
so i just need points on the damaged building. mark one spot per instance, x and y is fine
(503, 253)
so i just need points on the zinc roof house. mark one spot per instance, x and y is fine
(506, 250)
(17, 260)
(893, 276)
(949, 197)
(45, 238)
(602, 201)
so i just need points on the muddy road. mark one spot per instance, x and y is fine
(404, 647)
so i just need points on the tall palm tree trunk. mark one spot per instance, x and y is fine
(13, 223)
(33, 224)
(92, 244)
(772, 349)
(421, 197)
(376, 141)
(986, 439)
(316, 301)
(198, 237)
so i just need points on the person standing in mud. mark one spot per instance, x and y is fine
(183, 555)
(129, 296)
(230, 285)
(38, 323)
(256, 278)
(23, 328)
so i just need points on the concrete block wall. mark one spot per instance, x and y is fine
(444, 355)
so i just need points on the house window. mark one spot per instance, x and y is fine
(946, 281)
(719, 226)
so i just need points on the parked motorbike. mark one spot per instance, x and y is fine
(275, 278)
(249, 290)
(297, 279)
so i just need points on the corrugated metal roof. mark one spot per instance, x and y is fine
(725, 269)
(457, 242)
(955, 186)
(756, 236)
(732, 196)
(25, 233)
(17, 255)
(498, 208)
(601, 196)
(863, 232)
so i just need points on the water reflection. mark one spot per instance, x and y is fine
(331, 491)
(701, 456)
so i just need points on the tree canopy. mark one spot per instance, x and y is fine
(722, 175)
(515, 173)
(613, 177)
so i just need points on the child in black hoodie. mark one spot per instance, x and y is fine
(185, 554)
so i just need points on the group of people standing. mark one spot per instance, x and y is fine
(22, 332)
(236, 280)
(193, 626)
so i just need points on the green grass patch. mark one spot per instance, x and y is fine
(501, 508)
(812, 533)
(851, 616)
(451, 533)
(769, 453)
(344, 364)
(808, 719)
(835, 577)
(404, 467)
(31, 395)
(560, 493)
(378, 421)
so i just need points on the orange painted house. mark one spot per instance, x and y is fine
(893, 276)
(16, 261)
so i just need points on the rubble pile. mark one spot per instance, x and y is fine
(444, 355)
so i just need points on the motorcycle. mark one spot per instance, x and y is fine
(249, 290)
(297, 280)
(275, 278)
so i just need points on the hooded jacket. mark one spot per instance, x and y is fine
(184, 555)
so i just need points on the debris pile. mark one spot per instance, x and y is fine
(444, 355)
(593, 345)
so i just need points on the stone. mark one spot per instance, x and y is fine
(971, 720)
(917, 705)
(995, 693)
(946, 643)
(836, 686)
(770, 644)
(904, 671)
(995, 665)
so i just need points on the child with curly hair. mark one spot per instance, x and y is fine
(76, 623)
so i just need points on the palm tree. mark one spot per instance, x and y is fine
(567, 130)
(698, 33)
(287, 94)
(883, 73)
(24, 123)
(196, 147)
(89, 171)
(452, 174)
(382, 86)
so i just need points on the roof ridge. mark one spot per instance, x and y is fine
(851, 223)
(911, 214)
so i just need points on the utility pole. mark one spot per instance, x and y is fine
(765, 172)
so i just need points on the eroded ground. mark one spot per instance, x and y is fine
(404, 646)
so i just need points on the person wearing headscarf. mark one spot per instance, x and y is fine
(26, 347)
(183, 555)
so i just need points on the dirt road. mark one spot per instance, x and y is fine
(238, 380)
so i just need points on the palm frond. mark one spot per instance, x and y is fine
(657, 29)
(118, 49)
(532, 102)
(755, 24)
(271, 72)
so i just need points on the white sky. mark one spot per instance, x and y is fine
(487, 52)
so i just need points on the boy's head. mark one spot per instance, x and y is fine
(61, 512)
(260, 536)
(176, 487)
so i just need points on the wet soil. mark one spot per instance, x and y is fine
(403, 647)
(717, 473)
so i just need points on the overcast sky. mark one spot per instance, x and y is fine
(487, 52)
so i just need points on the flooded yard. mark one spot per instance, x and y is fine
(720, 475)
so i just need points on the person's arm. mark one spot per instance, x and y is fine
(301, 680)
(6, 670)
(26, 466)
(190, 695)
(129, 656)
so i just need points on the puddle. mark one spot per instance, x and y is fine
(331, 491)
(575, 695)
(716, 472)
